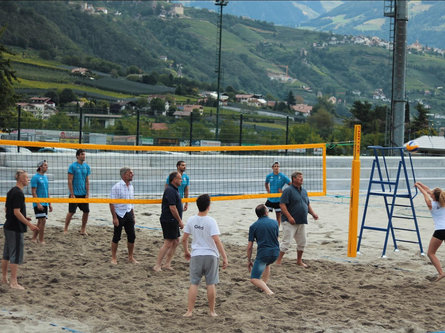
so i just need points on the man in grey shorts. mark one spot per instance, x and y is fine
(206, 249)
(14, 228)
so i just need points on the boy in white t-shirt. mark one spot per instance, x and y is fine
(204, 259)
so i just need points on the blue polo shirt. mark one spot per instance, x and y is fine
(80, 173)
(40, 183)
(297, 203)
(184, 184)
(265, 232)
(276, 182)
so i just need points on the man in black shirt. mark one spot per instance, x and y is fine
(14, 229)
(171, 221)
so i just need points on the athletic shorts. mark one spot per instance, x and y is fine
(439, 234)
(84, 207)
(40, 214)
(204, 266)
(14, 246)
(273, 205)
(126, 222)
(170, 229)
(260, 265)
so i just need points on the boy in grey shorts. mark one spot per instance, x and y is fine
(206, 249)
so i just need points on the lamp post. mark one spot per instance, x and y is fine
(221, 4)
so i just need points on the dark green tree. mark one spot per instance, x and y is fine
(8, 97)
(290, 98)
(157, 105)
(66, 96)
(421, 125)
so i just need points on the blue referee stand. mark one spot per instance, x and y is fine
(383, 184)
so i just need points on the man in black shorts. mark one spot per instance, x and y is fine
(171, 221)
(79, 187)
(14, 229)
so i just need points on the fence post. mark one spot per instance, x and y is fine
(241, 129)
(191, 129)
(19, 124)
(287, 130)
(138, 115)
(80, 121)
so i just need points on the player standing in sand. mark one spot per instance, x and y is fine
(265, 232)
(206, 249)
(184, 187)
(295, 206)
(437, 209)
(274, 184)
(79, 187)
(14, 229)
(123, 215)
(39, 189)
(171, 221)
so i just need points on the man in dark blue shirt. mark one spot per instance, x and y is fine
(171, 221)
(265, 232)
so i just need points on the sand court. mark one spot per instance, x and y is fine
(71, 284)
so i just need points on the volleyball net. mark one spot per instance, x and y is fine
(223, 172)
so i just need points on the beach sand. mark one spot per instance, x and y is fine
(71, 285)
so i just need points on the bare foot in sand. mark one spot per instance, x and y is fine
(302, 264)
(133, 261)
(17, 286)
(169, 268)
(187, 314)
(114, 261)
(42, 243)
(213, 314)
(157, 268)
(34, 240)
(440, 277)
(5, 281)
(83, 233)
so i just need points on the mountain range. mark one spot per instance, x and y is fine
(426, 22)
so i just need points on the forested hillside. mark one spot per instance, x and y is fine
(136, 35)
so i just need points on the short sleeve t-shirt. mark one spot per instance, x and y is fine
(276, 182)
(80, 173)
(40, 183)
(297, 203)
(170, 198)
(15, 199)
(438, 214)
(184, 184)
(201, 229)
(265, 232)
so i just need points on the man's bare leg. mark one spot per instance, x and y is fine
(68, 218)
(170, 254)
(131, 259)
(14, 284)
(114, 252)
(211, 296)
(84, 224)
(5, 271)
(162, 252)
(278, 215)
(262, 285)
(41, 224)
(300, 259)
(266, 274)
(280, 257)
(193, 291)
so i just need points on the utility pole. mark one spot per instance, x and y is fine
(221, 4)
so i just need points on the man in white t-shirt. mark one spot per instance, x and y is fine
(206, 249)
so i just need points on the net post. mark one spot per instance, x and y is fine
(79, 109)
(355, 186)
(138, 118)
(19, 119)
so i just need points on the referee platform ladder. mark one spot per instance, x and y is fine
(393, 185)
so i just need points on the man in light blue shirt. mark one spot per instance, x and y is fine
(274, 184)
(79, 187)
(184, 188)
(39, 189)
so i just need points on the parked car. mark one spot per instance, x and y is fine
(56, 150)
(14, 149)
